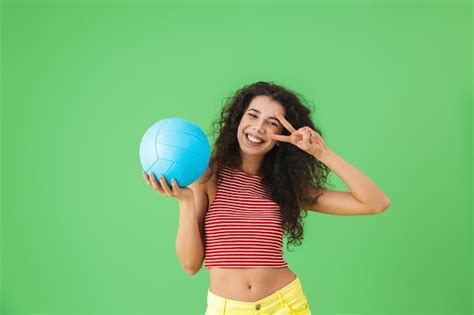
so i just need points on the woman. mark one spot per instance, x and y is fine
(269, 167)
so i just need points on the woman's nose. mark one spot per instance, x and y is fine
(259, 127)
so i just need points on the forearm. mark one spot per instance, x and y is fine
(189, 245)
(361, 186)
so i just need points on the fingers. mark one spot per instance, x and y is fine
(145, 175)
(315, 134)
(280, 138)
(150, 179)
(152, 182)
(176, 189)
(284, 122)
(312, 137)
(306, 134)
(155, 184)
(162, 186)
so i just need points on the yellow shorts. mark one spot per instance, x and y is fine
(288, 300)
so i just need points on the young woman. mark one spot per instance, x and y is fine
(269, 167)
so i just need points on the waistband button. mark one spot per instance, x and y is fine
(257, 307)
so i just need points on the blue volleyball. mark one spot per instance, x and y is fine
(175, 148)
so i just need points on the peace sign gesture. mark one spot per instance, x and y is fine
(304, 138)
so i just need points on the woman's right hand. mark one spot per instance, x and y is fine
(181, 193)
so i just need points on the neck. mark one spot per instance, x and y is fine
(251, 164)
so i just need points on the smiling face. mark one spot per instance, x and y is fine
(258, 121)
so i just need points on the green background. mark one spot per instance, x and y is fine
(82, 233)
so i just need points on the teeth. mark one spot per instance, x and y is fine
(254, 139)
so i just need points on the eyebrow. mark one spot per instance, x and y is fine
(271, 117)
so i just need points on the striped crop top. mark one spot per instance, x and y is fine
(243, 226)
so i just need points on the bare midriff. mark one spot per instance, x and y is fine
(248, 285)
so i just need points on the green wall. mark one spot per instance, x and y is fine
(82, 233)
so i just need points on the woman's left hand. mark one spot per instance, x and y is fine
(304, 138)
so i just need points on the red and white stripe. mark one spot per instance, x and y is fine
(243, 226)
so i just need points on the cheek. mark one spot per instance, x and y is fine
(242, 122)
(277, 131)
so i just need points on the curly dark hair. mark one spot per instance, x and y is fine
(286, 170)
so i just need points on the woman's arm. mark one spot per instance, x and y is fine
(365, 197)
(189, 244)
(190, 239)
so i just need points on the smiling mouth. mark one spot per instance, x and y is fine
(254, 141)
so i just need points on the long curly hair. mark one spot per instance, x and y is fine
(287, 171)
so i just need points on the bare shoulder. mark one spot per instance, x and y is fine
(202, 187)
(202, 184)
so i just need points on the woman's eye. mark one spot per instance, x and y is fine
(255, 116)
